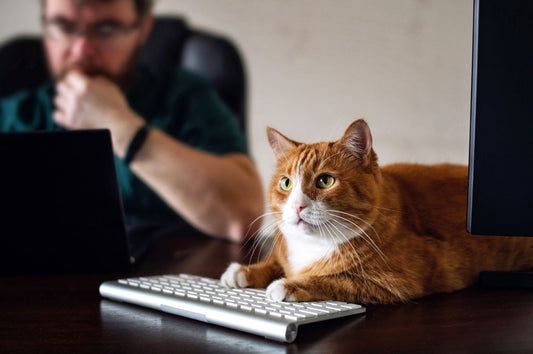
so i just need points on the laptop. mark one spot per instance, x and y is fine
(60, 205)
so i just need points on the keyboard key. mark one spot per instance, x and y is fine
(308, 313)
(261, 311)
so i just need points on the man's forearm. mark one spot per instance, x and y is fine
(219, 195)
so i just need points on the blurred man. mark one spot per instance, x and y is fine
(179, 149)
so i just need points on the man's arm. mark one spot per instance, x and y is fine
(219, 195)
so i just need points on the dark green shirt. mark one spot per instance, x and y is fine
(183, 105)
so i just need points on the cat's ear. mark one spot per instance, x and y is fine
(357, 139)
(279, 143)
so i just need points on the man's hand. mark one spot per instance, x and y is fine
(95, 102)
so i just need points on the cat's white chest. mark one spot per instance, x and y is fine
(304, 250)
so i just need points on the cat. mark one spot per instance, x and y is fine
(351, 231)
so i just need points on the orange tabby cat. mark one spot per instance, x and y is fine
(352, 231)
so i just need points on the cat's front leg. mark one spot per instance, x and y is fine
(258, 275)
(303, 289)
(334, 288)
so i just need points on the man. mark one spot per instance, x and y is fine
(184, 152)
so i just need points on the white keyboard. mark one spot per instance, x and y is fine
(207, 300)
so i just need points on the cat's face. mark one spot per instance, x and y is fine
(325, 190)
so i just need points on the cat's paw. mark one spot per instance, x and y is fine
(234, 277)
(278, 292)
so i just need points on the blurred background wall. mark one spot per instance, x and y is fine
(314, 66)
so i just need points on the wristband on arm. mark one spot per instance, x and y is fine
(136, 143)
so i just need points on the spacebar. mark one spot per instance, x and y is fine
(276, 329)
(184, 313)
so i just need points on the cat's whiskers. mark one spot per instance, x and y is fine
(360, 233)
(369, 225)
(346, 265)
(328, 225)
(366, 237)
(327, 228)
(263, 241)
(320, 232)
(261, 236)
(276, 236)
(322, 227)
(363, 276)
(353, 249)
(324, 235)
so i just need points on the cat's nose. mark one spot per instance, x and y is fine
(299, 209)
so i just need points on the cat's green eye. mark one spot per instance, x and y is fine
(325, 181)
(285, 183)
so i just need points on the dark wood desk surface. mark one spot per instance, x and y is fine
(66, 314)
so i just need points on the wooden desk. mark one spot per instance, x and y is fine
(66, 314)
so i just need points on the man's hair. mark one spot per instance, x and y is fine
(141, 6)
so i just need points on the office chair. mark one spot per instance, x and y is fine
(172, 43)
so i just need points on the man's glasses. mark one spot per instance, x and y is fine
(107, 33)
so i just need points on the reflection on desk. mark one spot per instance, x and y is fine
(193, 335)
(119, 317)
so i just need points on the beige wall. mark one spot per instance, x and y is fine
(316, 65)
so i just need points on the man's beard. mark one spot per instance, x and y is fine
(123, 79)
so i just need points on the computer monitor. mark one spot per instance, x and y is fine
(500, 196)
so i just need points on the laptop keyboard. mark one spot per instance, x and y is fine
(207, 300)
